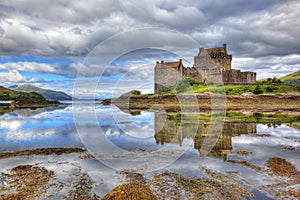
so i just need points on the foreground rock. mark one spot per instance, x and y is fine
(41, 151)
(33, 103)
(25, 182)
(133, 191)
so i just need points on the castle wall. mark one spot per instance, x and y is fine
(237, 77)
(192, 72)
(213, 58)
(166, 77)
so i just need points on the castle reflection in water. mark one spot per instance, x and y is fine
(171, 129)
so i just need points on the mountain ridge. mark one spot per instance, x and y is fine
(7, 94)
(47, 94)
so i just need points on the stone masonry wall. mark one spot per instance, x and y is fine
(237, 77)
(192, 72)
(165, 77)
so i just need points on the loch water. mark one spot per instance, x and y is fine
(148, 142)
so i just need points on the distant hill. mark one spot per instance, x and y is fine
(7, 94)
(292, 79)
(48, 94)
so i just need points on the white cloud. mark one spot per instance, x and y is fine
(29, 66)
(264, 31)
(11, 76)
(73, 28)
(11, 125)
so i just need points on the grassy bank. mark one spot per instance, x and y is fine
(293, 79)
(232, 90)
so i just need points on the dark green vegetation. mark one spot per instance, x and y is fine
(8, 94)
(47, 94)
(136, 92)
(270, 81)
(33, 103)
(185, 84)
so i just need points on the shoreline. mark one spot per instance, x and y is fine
(33, 103)
(207, 102)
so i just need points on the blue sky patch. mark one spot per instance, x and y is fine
(6, 59)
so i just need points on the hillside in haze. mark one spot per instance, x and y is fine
(292, 79)
(48, 94)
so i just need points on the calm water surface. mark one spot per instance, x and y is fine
(149, 141)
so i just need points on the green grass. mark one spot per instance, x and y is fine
(7, 94)
(293, 76)
(236, 89)
(231, 90)
(266, 89)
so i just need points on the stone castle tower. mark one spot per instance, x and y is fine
(210, 65)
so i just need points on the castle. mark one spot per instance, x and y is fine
(210, 66)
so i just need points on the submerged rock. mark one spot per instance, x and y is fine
(106, 102)
(25, 182)
(281, 167)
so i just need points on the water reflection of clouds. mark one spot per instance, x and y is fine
(50, 127)
(280, 131)
(140, 126)
(10, 125)
(131, 137)
(266, 141)
(279, 136)
(263, 148)
(41, 128)
(138, 129)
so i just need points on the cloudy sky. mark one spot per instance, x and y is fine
(54, 43)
